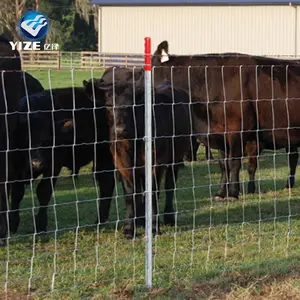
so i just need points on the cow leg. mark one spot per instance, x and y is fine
(106, 181)
(225, 175)
(235, 166)
(17, 194)
(4, 194)
(208, 154)
(192, 153)
(251, 150)
(170, 182)
(131, 181)
(293, 161)
(157, 176)
(130, 225)
(140, 203)
(44, 193)
(3, 216)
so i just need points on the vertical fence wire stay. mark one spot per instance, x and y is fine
(148, 162)
(7, 240)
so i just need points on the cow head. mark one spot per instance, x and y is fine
(161, 55)
(36, 141)
(102, 92)
(64, 135)
(95, 95)
(119, 101)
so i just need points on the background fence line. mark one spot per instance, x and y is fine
(87, 60)
(82, 60)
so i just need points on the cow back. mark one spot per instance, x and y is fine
(116, 74)
(30, 85)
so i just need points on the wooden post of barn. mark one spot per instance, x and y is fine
(148, 162)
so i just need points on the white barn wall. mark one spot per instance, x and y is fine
(297, 28)
(263, 30)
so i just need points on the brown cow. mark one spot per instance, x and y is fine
(127, 130)
(234, 91)
(251, 151)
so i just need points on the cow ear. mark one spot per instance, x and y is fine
(164, 45)
(163, 51)
(164, 56)
(85, 83)
(104, 86)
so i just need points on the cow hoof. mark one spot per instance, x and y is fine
(230, 199)
(14, 225)
(43, 237)
(218, 198)
(129, 235)
(13, 229)
(3, 243)
(101, 222)
(41, 224)
(156, 232)
(140, 222)
(41, 230)
(169, 219)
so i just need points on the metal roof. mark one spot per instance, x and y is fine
(189, 2)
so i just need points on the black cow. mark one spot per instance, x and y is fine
(10, 85)
(116, 74)
(216, 78)
(127, 129)
(57, 118)
(30, 85)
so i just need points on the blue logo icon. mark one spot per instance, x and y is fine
(34, 25)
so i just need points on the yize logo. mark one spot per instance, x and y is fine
(34, 27)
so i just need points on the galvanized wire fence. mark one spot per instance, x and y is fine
(81, 248)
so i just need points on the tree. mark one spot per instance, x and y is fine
(73, 23)
(87, 12)
(10, 13)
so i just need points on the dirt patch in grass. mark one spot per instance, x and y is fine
(233, 286)
(241, 286)
(13, 294)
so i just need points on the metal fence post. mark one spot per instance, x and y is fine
(148, 162)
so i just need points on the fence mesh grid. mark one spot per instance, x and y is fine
(208, 238)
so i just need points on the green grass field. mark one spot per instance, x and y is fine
(248, 249)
